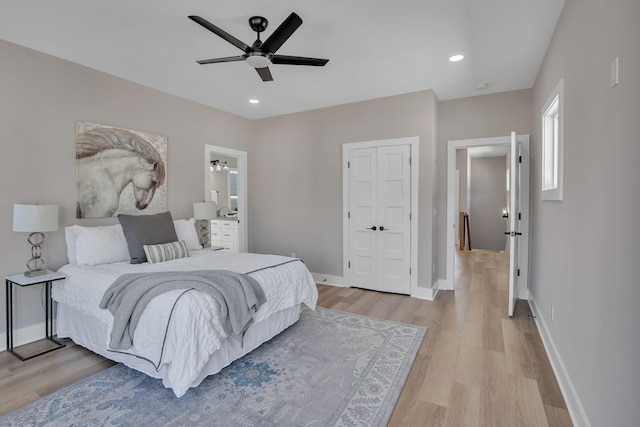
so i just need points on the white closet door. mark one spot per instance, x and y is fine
(380, 225)
(363, 208)
(394, 224)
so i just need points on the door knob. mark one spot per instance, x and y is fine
(382, 228)
(372, 228)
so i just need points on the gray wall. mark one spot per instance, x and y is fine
(488, 197)
(477, 117)
(297, 207)
(42, 97)
(585, 248)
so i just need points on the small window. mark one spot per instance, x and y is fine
(552, 140)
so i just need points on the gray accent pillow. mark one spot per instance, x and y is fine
(140, 230)
(166, 251)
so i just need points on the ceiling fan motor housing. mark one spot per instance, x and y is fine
(258, 24)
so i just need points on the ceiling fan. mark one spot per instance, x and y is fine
(260, 55)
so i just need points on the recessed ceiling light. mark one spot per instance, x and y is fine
(482, 86)
(456, 58)
(254, 101)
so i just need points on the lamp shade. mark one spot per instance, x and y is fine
(35, 218)
(204, 210)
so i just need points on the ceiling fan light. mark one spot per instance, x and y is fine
(258, 61)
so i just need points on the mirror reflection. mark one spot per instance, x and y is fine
(223, 172)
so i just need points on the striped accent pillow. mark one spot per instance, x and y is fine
(166, 251)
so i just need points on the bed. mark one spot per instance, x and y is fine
(179, 337)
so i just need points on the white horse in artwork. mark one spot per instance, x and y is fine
(107, 161)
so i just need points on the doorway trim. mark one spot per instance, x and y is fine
(243, 237)
(413, 143)
(452, 146)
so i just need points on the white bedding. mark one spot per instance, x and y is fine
(193, 329)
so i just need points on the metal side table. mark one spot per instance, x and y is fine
(24, 281)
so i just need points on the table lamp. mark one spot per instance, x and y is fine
(36, 220)
(204, 212)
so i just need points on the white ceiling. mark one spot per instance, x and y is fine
(375, 48)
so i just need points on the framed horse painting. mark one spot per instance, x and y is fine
(119, 171)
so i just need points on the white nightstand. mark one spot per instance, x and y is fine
(225, 233)
(24, 281)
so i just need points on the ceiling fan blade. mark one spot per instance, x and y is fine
(298, 60)
(225, 59)
(282, 33)
(265, 74)
(219, 32)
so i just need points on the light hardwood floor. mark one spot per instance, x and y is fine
(476, 366)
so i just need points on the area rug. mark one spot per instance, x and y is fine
(329, 369)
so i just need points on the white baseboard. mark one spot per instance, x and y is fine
(425, 293)
(422, 293)
(445, 284)
(571, 398)
(326, 279)
(25, 335)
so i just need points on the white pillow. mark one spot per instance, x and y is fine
(70, 237)
(186, 230)
(100, 245)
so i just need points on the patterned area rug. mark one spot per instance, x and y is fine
(331, 368)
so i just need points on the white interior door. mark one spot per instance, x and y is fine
(394, 223)
(380, 218)
(514, 223)
(363, 215)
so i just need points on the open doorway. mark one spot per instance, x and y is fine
(483, 197)
(228, 186)
(520, 264)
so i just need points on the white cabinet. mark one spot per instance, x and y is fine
(225, 233)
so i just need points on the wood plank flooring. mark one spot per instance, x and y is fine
(476, 366)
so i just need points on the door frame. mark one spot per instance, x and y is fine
(243, 214)
(413, 143)
(523, 256)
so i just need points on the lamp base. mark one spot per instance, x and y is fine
(33, 273)
(204, 232)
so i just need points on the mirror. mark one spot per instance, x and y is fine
(223, 176)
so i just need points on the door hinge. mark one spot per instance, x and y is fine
(409, 271)
(518, 273)
(409, 160)
(348, 165)
(519, 215)
(519, 159)
(349, 264)
(348, 214)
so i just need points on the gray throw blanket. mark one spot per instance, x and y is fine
(238, 295)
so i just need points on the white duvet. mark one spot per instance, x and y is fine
(188, 319)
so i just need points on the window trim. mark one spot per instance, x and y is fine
(552, 124)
